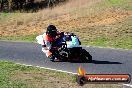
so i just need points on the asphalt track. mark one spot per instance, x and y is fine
(106, 60)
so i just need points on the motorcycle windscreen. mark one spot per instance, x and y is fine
(73, 43)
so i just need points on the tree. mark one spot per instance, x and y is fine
(27, 5)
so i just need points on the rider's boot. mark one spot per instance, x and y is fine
(52, 58)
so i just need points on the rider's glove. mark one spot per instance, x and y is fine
(52, 50)
(43, 45)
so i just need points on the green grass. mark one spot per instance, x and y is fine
(18, 76)
(26, 38)
(117, 2)
(10, 76)
(6, 71)
(124, 43)
(116, 35)
(122, 4)
(3, 15)
(6, 16)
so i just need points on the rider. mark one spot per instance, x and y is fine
(49, 38)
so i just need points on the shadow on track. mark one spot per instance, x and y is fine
(94, 62)
(104, 62)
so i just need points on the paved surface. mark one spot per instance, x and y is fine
(105, 60)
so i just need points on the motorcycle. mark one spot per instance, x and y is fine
(67, 48)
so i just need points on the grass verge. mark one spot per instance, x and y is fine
(26, 38)
(18, 76)
(117, 35)
(105, 23)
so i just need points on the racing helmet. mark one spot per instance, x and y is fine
(51, 31)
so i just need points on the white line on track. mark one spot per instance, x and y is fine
(129, 85)
(49, 69)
